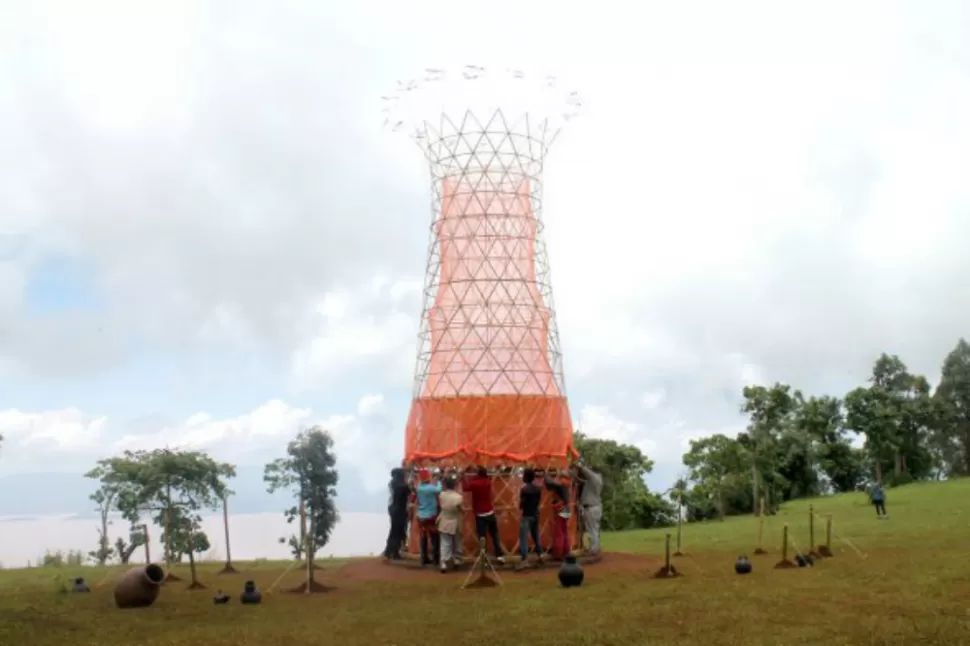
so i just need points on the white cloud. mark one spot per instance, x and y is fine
(653, 398)
(737, 204)
(366, 441)
(60, 430)
(373, 329)
(599, 423)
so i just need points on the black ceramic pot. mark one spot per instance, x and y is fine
(571, 573)
(250, 594)
(742, 565)
(80, 585)
(220, 598)
(804, 560)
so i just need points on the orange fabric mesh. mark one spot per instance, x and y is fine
(490, 393)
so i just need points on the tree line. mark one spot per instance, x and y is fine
(895, 429)
(796, 445)
(172, 488)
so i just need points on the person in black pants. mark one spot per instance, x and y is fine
(397, 509)
(879, 500)
(530, 497)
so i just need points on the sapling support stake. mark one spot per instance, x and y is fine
(784, 563)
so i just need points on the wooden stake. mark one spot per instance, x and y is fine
(784, 563)
(760, 549)
(667, 554)
(680, 524)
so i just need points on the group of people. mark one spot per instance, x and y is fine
(439, 506)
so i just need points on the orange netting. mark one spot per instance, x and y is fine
(490, 393)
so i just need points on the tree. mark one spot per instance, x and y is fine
(309, 473)
(897, 415)
(820, 423)
(104, 499)
(627, 501)
(718, 468)
(952, 396)
(769, 409)
(136, 538)
(173, 485)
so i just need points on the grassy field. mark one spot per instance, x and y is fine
(902, 581)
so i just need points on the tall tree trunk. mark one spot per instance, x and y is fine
(897, 463)
(966, 448)
(225, 523)
(905, 469)
(195, 580)
(878, 471)
(754, 487)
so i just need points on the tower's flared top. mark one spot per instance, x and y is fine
(453, 112)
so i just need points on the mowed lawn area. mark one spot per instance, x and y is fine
(905, 580)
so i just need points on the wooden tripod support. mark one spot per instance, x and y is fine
(487, 575)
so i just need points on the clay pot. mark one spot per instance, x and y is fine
(250, 594)
(139, 587)
(80, 585)
(742, 565)
(571, 573)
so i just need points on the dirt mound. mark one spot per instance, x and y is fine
(381, 570)
(315, 586)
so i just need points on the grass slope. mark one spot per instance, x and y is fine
(901, 581)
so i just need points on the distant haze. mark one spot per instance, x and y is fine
(252, 536)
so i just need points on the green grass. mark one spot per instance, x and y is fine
(908, 583)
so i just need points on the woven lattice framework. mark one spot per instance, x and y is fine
(489, 387)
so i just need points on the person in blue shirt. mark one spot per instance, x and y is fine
(427, 493)
(878, 497)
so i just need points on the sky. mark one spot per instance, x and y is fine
(207, 239)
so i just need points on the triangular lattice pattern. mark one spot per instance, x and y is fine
(489, 379)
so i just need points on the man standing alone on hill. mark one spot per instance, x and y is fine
(878, 500)
(480, 486)
(590, 504)
(530, 498)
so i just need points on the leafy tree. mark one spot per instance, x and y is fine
(627, 501)
(718, 467)
(297, 545)
(173, 485)
(309, 473)
(124, 550)
(770, 410)
(103, 498)
(897, 416)
(820, 423)
(952, 439)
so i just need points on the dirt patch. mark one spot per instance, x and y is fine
(195, 585)
(381, 570)
(315, 586)
(666, 572)
(785, 565)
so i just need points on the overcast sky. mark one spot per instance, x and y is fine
(207, 240)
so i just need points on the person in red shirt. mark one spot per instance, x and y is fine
(480, 486)
(560, 507)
